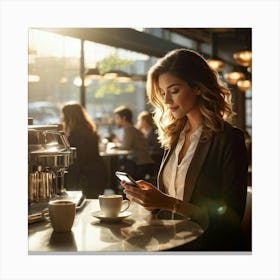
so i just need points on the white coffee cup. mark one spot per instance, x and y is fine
(61, 214)
(112, 204)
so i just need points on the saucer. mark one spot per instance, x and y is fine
(99, 215)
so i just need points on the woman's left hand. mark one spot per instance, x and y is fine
(147, 195)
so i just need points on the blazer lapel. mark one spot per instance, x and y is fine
(165, 157)
(193, 171)
(195, 167)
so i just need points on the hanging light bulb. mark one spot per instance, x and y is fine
(216, 64)
(93, 73)
(123, 79)
(234, 77)
(243, 58)
(244, 85)
(117, 75)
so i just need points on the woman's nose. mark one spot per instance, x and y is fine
(167, 99)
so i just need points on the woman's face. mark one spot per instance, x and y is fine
(179, 97)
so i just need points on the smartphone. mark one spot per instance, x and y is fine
(123, 176)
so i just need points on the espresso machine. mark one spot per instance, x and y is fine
(49, 156)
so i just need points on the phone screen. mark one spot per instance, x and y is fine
(127, 178)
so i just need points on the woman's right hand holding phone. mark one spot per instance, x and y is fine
(148, 196)
(152, 198)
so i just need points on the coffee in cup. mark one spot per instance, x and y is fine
(61, 214)
(112, 204)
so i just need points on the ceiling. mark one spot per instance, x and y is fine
(205, 34)
(223, 41)
(213, 42)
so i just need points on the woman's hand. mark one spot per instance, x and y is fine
(148, 196)
(151, 198)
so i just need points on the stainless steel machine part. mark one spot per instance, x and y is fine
(49, 156)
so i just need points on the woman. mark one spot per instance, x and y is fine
(88, 171)
(203, 172)
(145, 124)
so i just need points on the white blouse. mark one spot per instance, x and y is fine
(174, 174)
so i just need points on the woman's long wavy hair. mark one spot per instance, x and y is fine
(76, 117)
(214, 100)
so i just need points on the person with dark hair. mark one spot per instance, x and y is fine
(88, 172)
(146, 125)
(141, 163)
(203, 173)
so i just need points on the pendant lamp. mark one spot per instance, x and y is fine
(243, 58)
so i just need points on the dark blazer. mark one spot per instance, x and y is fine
(217, 180)
(88, 172)
(154, 145)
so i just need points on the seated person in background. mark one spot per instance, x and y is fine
(141, 163)
(146, 125)
(88, 172)
(203, 176)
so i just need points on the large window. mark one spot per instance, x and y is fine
(105, 93)
(56, 64)
(53, 64)
(54, 78)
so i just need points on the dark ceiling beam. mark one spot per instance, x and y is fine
(220, 30)
(126, 38)
(197, 34)
(229, 40)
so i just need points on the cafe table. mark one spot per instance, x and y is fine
(135, 231)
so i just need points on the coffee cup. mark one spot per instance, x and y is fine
(112, 204)
(61, 214)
